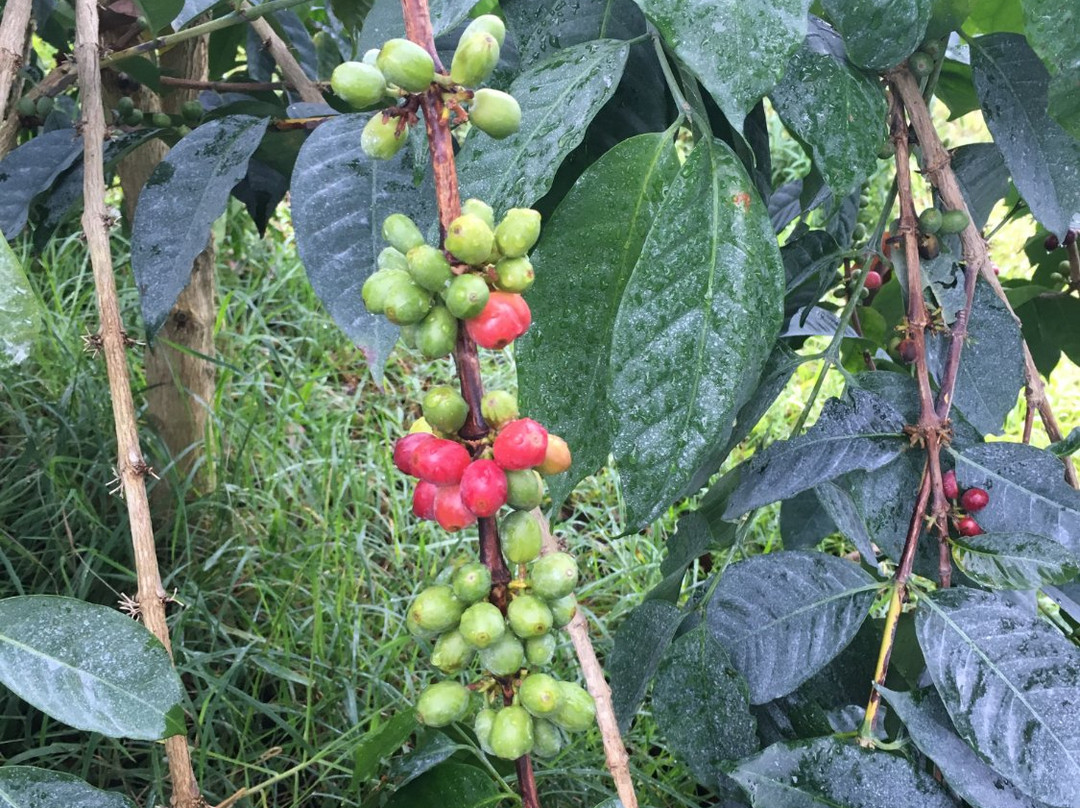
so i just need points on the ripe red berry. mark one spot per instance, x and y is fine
(483, 487)
(450, 511)
(948, 482)
(873, 280)
(405, 451)
(907, 350)
(423, 500)
(1070, 239)
(441, 461)
(521, 444)
(968, 527)
(1051, 243)
(505, 318)
(974, 499)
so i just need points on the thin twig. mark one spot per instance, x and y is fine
(131, 466)
(290, 68)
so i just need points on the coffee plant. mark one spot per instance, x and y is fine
(595, 184)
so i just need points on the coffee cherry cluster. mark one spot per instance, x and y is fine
(400, 69)
(971, 500)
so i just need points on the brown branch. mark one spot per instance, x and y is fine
(290, 68)
(13, 29)
(131, 467)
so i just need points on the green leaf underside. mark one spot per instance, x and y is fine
(737, 48)
(1011, 684)
(783, 616)
(1053, 30)
(563, 359)
(1027, 491)
(695, 327)
(558, 98)
(879, 34)
(861, 431)
(834, 773)
(640, 643)
(700, 706)
(1014, 560)
(31, 787)
(89, 667)
(984, 180)
(20, 311)
(31, 169)
(183, 197)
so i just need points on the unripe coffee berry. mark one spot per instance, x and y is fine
(445, 409)
(357, 84)
(441, 461)
(974, 499)
(423, 500)
(968, 527)
(524, 489)
(514, 274)
(406, 64)
(518, 232)
(469, 239)
(528, 616)
(467, 296)
(953, 221)
(436, 334)
(480, 209)
(949, 485)
(562, 610)
(482, 624)
(406, 304)
(505, 318)
(520, 444)
(557, 457)
(451, 652)
(554, 576)
(921, 64)
(495, 113)
(442, 703)
(475, 58)
(547, 739)
(577, 712)
(539, 651)
(484, 487)
(482, 725)
(405, 448)
(503, 657)
(433, 611)
(521, 537)
(511, 733)
(930, 221)
(472, 582)
(450, 512)
(401, 232)
(498, 407)
(378, 287)
(391, 258)
(381, 138)
(489, 24)
(540, 694)
(429, 267)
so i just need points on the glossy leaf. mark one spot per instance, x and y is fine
(1011, 684)
(20, 310)
(641, 641)
(955, 89)
(190, 10)
(448, 785)
(804, 522)
(818, 99)
(842, 510)
(385, 21)
(1043, 159)
(186, 193)
(1051, 325)
(983, 178)
(695, 327)
(1068, 445)
(1027, 490)
(31, 787)
(1053, 31)
(31, 169)
(89, 667)
(738, 48)
(160, 13)
(836, 773)
(381, 743)
(783, 616)
(1014, 560)
(340, 197)
(563, 359)
(558, 98)
(879, 34)
(860, 431)
(700, 706)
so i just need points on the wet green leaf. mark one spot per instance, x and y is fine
(30, 787)
(879, 34)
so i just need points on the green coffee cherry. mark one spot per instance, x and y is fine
(391, 258)
(539, 651)
(445, 409)
(514, 274)
(528, 616)
(466, 296)
(401, 232)
(518, 231)
(380, 139)
(562, 610)
(489, 24)
(436, 335)
(469, 239)
(577, 711)
(371, 57)
(953, 221)
(406, 64)
(407, 335)
(433, 611)
(357, 84)
(524, 489)
(886, 151)
(125, 105)
(521, 537)
(495, 113)
(472, 582)
(480, 209)
(503, 657)
(133, 118)
(406, 304)
(378, 286)
(930, 221)
(191, 111)
(442, 703)
(44, 106)
(183, 130)
(161, 120)
(547, 739)
(485, 719)
(554, 576)
(28, 109)
(482, 624)
(511, 733)
(921, 64)
(498, 407)
(451, 652)
(540, 694)
(474, 59)
(429, 267)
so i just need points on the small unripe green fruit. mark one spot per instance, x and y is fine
(378, 286)
(161, 120)
(406, 304)
(577, 712)
(499, 407)
(524, 490)
(380, 139)
(489, 24)
(540, 694)
(44, 106)
(433, 611)
(518, 231)
(469, 239)
(528, 616)
(134, 118)
(485, 719)
(495, 113)
(521, 537)
(402, 233)
(451, 652)
(562, 610)
(406, 64)
(503, 657)
(442, 703)
(445, 409)
(371, 57)
(192, 111)
(474, 59)
(391, 258)
(953, 221)
(357, 84)
(183, 130)
(539, 651)
(436, 334)
(27, 108)
(514, 274)
(480, 209)
(125, 105)
(930, 220)
(887, 151)
(554, 576)
(511, 733)
(921, 64)
(467, 296)
(429, 267)
(472, 582)
(482, 624)
(547, 739)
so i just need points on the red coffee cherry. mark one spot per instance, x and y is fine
(557, 458)
(1051, 243)
(483, 487)
(405, 451)
(450, 511)
(423, 500)
(948, 482)
(907, 350)
(873, 280)
(441, 462)
(521, 444)
(974, 499)
(968, 527)
(505, 318)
